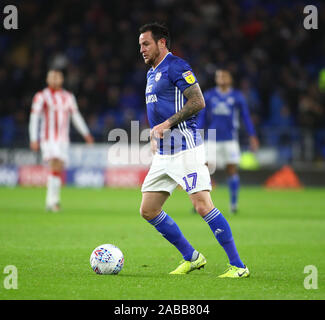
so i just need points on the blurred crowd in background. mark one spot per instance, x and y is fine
(278, 65)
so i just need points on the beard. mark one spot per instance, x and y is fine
(153, 58)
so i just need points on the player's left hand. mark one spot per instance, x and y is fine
(158, 130)
(34, 145)
(89, 139)
(254, 143)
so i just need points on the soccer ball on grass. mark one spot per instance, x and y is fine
(107, 259)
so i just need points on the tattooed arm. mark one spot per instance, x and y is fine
(195, 102)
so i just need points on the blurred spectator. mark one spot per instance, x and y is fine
(311, 112)
(280, 115)
(253, 100)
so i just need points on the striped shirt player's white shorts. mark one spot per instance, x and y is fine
(55, 150)
(186, 168)
(221, 153)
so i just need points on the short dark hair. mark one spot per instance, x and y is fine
(158, 30)
(56, 70)
(223, 69)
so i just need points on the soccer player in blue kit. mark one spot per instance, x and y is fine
(173, 98)
(224, 107)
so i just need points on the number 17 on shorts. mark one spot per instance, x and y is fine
(190, 181)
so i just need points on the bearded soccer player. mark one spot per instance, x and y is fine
(54, 106)
(173, 98)
(224, 107)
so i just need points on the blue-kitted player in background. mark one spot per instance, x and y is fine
(224, 107)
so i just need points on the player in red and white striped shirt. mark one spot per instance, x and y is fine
(55, 106)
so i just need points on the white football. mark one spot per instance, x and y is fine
(107, 259)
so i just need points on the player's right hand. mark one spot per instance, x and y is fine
(89, 139)
(158, 130)
(153, 145)
(34, 145)
(254, 143)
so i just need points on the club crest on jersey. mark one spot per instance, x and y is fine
(189, 77)
(158, 76)
(230, 100)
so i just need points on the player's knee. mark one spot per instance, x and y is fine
(231, 170)
(148, 213)
(203, 207)
(142, 212)
(56, 165)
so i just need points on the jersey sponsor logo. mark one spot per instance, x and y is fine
(189, 77)
(151, 98)
(149, 89)
(221, 108)
(157, 76)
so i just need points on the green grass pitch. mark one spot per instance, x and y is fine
(277, 234)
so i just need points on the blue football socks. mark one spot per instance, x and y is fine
(170, 231)
(233, 185)
(221, 229)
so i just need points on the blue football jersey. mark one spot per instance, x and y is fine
(164, 97)
(222, 113)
